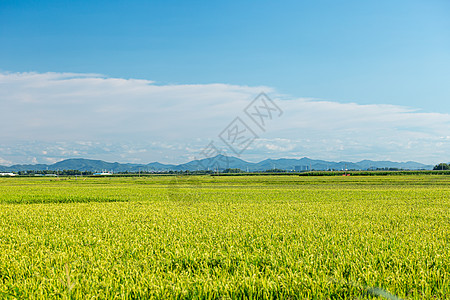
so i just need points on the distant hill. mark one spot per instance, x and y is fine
(221, 162)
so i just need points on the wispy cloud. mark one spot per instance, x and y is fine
(52, 116)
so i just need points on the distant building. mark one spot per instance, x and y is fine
(102, 173)
(7, 174)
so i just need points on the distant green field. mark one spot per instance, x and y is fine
(256, 237)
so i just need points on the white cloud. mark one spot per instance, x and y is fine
(5, 162)
(54, 106)
(51, 116)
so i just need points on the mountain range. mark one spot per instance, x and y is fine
(218, 162)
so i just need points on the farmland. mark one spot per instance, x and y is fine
(225, 237)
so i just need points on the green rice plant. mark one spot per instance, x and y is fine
(251, 237)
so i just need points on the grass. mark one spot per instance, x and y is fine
(225, 237)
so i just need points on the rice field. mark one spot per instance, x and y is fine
(225, 237)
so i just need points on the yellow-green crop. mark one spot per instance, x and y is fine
(285, 237)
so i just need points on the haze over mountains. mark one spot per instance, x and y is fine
(221, 162)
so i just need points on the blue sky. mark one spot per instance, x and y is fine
(367, 53)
